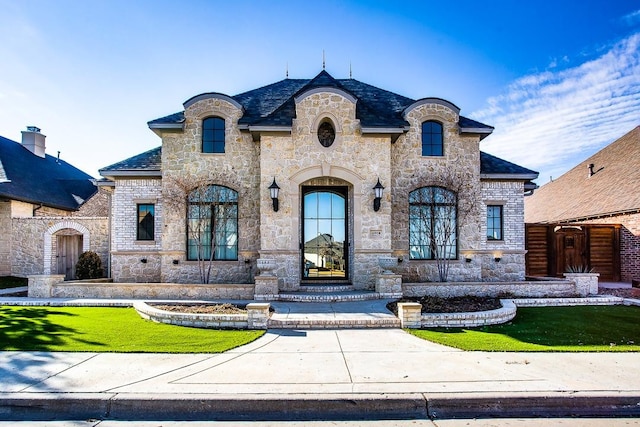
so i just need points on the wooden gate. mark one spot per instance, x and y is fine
(69, 250)
(553, 248)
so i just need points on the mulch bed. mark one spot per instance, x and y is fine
(225, 308)
(450, 305)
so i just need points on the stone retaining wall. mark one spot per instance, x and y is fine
(56, 288)
(532, 289)
(256, 317)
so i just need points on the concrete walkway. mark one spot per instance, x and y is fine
(346, 374)
(318, 374)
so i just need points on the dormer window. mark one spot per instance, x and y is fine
(213, 135)
(432, 141)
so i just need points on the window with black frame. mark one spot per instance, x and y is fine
(213, 135)
(494, 222)
(212, 224)
(146, 221)
(433, 224)
(432, 140)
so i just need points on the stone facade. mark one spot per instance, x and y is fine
(28, 234)
(294, 156)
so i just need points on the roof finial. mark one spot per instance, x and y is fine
(350, 71)
(287, 73)
(323, 60)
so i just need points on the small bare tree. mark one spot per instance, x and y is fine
(212, 212)
(436, 212)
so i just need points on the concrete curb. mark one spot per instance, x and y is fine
(195, 407)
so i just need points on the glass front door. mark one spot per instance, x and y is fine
(324, 231)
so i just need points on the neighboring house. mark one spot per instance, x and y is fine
(590, 216)
(50, 211)
(325, 143)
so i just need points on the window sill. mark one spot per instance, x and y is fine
(144, 242)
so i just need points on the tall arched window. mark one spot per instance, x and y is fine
(212, 224)
(432, 141)
(433, 223)
(213, 135)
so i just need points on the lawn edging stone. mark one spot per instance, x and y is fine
(256, 317)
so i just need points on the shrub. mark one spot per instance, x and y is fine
(89, 266)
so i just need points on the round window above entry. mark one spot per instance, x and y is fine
(326, 134)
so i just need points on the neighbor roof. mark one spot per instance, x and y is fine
(52, 182)
(577, 196)
(274, 105)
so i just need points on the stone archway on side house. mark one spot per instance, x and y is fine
(48, 240)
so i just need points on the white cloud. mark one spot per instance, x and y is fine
(553, 120)
(632, 18)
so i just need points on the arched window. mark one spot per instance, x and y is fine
(432, 141)
(212, 224)
(213, 135)
(433, 224)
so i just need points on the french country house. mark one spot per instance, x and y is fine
(324, 176)
(590, 216)
(50, 211)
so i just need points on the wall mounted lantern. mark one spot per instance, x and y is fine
(273, 189)
(378, 195)
(497, 259)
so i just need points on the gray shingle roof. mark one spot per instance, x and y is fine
(149, 161)
(274, 105)
(492, 165)
(49, 181)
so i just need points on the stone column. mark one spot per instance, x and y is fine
(389, 285)
(586, 283)
(410, 314)
(266, 288)
(258, 315)
(41, 286)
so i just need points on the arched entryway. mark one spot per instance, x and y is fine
(63, 244)
(325, 233)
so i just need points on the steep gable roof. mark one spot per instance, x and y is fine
(52, 182)
(578, 196)
(274, 104)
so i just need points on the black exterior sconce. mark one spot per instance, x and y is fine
(143, 260)
(497, 259)
(175, 262)
(378, 195)
(274, 189)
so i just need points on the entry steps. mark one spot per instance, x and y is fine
(331, 306)
(328, 293)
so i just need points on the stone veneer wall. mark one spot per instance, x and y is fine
(298, 159)
(411, 170)
(236, 168)
(510, 250)
(30, 254)
(5, 238)
(127, 253)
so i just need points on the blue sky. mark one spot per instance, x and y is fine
(558, 79)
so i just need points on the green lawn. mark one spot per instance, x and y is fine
(107, 330)
(580, 328)
(12, 282)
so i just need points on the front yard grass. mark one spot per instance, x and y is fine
(12, 282)
(100, 329)
(550, 329)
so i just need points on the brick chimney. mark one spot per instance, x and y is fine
(33, 140)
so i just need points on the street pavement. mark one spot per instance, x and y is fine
(323, 375)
